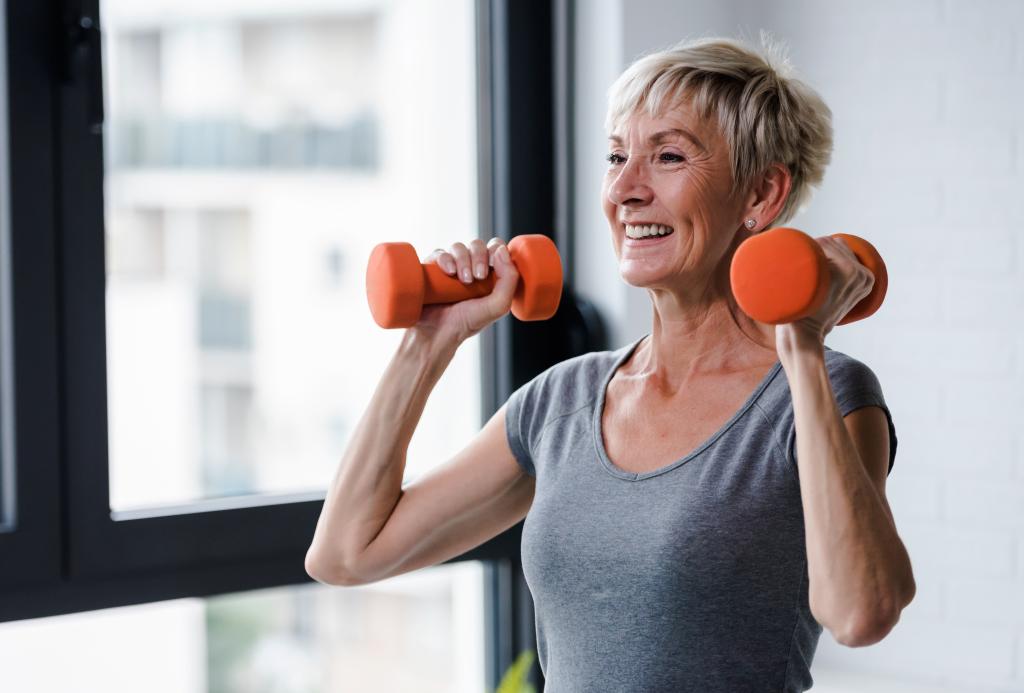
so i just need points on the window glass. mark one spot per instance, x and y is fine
(255, 154)
(423, 632)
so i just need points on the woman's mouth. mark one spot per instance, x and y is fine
(645, 234)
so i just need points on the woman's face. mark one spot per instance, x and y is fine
(671, 170)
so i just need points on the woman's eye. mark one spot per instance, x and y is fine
(667, 157)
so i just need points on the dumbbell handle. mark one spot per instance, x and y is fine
(526, 254)
(440, 287)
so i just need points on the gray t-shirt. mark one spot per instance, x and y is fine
(691, 577)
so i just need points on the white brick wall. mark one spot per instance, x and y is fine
(928, 103)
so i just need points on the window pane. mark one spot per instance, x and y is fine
(254, 157)
(421, 632)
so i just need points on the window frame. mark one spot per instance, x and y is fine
(68, 552)
(529, 55)
(32, 549)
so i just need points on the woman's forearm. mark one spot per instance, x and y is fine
(857, 565)
(368, 482)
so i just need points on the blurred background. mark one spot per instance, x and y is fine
(254, 153)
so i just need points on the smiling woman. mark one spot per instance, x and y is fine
(717, 486)
(699, 503)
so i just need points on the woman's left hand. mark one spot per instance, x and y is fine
(850, 282)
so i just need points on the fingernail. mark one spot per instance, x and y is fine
(503, 254)
(480, 270)
(449, 266)
(466, 277)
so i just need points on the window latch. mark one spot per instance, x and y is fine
(83, 64)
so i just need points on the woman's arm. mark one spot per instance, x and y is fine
(859, 571)
(367, 485)
(369, 527)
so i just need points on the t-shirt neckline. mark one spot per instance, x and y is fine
(616, 471)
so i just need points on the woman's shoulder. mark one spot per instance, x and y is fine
(562, 389)
(572, 383)
(584, 370)
(851, 378)
(843, 366)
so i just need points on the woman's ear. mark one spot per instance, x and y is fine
(769, 194)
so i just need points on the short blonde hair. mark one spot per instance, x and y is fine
(765, 114)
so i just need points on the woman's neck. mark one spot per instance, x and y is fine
(689, 341)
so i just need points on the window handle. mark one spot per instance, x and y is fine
(83, 64)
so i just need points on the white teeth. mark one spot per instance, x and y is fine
(645, 230)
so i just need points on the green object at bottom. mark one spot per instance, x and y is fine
(514, 680)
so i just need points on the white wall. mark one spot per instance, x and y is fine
(929, 166)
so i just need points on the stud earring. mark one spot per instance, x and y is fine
(750, 223)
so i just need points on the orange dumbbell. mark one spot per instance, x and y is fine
(398, 285)
(781, 275)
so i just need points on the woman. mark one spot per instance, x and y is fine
(701, 502)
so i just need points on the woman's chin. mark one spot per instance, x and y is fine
(643, 277)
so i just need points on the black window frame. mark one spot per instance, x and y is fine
(67, 552)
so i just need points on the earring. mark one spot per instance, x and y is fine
(750, 223)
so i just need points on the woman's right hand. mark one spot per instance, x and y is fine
(468, 263)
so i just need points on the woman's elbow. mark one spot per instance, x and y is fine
(331, 573)
(863, 636)
(873, 626)
(867, 631)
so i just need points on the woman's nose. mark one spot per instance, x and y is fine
(629, 185)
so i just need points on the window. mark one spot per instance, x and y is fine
(182, 252)
(245, 153)
(417, 632)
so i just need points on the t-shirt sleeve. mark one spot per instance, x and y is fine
(563, 388)
(856, 386)
(520, 411)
